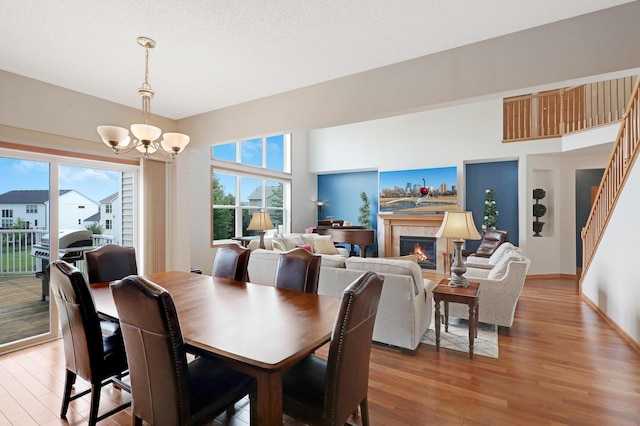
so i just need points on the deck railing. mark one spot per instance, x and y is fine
(15, 249)
(622, 159)
(553, 113)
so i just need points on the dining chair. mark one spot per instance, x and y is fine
(299, 270)
(231, 262)
(107, 263)
(166, 389)
(88, 354)
(110, 262)
(324, 392)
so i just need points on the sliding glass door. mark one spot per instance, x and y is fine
(54, 208)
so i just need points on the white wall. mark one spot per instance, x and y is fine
(467, 134)
(610, 282)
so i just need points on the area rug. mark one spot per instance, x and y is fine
(457, 338)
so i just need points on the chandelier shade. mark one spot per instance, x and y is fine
(146, 136)
(114, 136)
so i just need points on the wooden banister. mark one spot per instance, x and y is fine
(552, 113)
(622, 159)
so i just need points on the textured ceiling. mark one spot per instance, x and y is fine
(215, 53)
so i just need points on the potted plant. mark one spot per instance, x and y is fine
(539, 210)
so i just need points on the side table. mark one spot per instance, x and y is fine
(469, 296)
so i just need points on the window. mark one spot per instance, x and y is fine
(108, 224)
(108, 208)
(7, 212)
(259, 179)
(32, 208)
(7, 223)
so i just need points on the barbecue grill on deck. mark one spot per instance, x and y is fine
(71, 247)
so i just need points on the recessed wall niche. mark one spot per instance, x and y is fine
(544, 225)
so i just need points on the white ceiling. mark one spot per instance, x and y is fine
(215, 53)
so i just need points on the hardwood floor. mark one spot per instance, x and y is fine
(562, 365)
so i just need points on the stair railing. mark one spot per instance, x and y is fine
(621, 161)
(553, 113)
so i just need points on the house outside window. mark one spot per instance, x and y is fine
(108, 208)
(32, 208)
(7, 223)
(247, 176)
(108, 224)
(7, 213)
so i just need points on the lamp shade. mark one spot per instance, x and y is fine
(458, 225)
(260, 221)
(174, 142)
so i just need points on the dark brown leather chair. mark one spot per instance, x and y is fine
(299, 270)
(88, 354)
(110, 262)
(489, 243)
(166, 390)
(325, 392)
(231, 262)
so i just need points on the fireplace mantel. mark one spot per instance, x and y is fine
(419, 225)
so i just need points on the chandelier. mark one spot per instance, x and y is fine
(145, 135)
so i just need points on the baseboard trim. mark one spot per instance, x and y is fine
(635, 345)
(551, 276)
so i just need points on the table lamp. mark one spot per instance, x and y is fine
(460, 227)
(260, 221)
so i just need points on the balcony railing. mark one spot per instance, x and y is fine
(15, 249)
(553, 113)
(623, 157)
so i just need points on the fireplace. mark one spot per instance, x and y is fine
(423, 247)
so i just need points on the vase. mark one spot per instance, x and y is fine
(537, 228)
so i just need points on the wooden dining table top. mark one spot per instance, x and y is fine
(252, 323)
(259, 330)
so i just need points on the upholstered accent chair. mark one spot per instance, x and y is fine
(88, 354)
(110, 262)
(325, 392)
(166, 389)
(231, 262)
(299, 270)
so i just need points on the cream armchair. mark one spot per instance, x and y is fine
(500, 288)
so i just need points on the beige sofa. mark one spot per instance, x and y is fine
(500, 287)
(405, 309)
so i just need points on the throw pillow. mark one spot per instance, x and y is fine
(307, 247)
(500, 269)
(497, 255)
(308, 238)
(292, 241)
(323, 244)
(278, 245)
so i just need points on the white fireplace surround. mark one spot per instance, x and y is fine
(416, 225)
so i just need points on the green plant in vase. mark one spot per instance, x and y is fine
(364, 218)
(539, 210)
(491, 213)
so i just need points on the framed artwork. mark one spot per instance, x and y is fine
(419, 191)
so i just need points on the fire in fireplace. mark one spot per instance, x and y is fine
(423, 247)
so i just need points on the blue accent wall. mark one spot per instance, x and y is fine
(585, 179)
(342, 191)
(502, 176)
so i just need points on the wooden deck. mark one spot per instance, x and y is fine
(24, 314)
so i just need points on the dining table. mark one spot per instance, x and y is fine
(260, 330)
